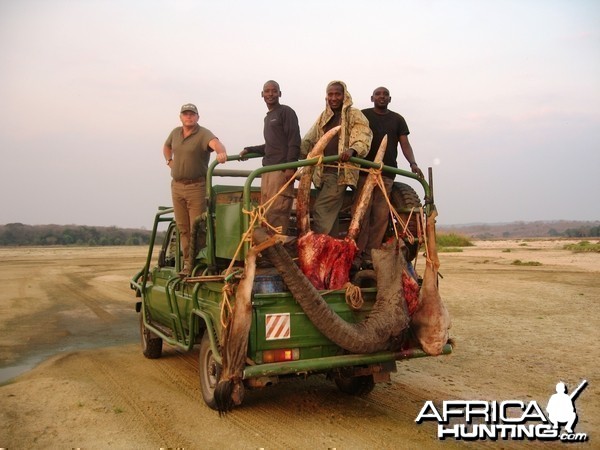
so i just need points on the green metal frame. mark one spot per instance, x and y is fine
(186, 341)
(252, 175)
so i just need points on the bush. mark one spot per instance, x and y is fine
(450, 250)
(452, 240)
(583, 246)
(518, 262)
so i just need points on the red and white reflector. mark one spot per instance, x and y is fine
(277, 326)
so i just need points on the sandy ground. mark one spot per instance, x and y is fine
(74, 375)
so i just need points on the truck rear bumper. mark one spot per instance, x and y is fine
(332, 362)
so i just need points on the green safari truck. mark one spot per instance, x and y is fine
(188, 313)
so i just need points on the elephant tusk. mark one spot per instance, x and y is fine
(365, 194)
(303, 196)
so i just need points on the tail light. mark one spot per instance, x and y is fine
(280, 355)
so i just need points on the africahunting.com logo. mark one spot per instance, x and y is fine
(507, 420)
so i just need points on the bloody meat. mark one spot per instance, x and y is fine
(326, 261)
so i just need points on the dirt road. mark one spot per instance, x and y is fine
(519, 330)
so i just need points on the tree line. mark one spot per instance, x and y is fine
(581, 232)
(18, 234)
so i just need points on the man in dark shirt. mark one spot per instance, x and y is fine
(282, 145)
(382, 121)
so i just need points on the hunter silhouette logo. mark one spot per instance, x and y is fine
(561, 408)
(507, 420)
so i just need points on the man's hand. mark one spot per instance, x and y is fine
(222, 157)
(415, 169)
(243, 154)
(346, 155)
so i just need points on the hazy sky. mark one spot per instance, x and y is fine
(502, 97)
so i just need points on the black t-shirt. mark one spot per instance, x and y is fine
(392, 124)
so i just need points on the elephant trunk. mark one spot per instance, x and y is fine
(387, 319)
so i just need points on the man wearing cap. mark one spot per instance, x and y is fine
(187, 152)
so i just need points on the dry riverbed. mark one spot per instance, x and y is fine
(74, 375)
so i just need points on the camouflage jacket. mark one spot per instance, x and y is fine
(355, 133)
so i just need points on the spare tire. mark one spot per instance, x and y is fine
(404, 198)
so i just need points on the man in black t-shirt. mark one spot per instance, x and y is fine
(282, 145)
(382, 121)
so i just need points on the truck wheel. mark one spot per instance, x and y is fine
(151, 344)
(402, 197)
(355, 385)
(210, 371)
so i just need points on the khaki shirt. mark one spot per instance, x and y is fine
(190, 155)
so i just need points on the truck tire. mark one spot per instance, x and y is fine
(209, 371)
(355, 385)
(151, 344)
(404, 197)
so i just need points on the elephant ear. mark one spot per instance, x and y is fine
(234, 342)
(431, 321)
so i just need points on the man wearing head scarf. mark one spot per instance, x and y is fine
(354, 139)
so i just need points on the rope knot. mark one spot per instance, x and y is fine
(226, 308)
(354, 296)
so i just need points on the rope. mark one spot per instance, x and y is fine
(418, 212)
(257, 215)
(267, 205)
(404, 224)
(420, 232)
(424, 231)
(405, 230)
(354, 296)
(226, 308)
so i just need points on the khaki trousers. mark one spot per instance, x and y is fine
(189, 201)
(279, 212)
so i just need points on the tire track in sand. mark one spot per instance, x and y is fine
(114, 378)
